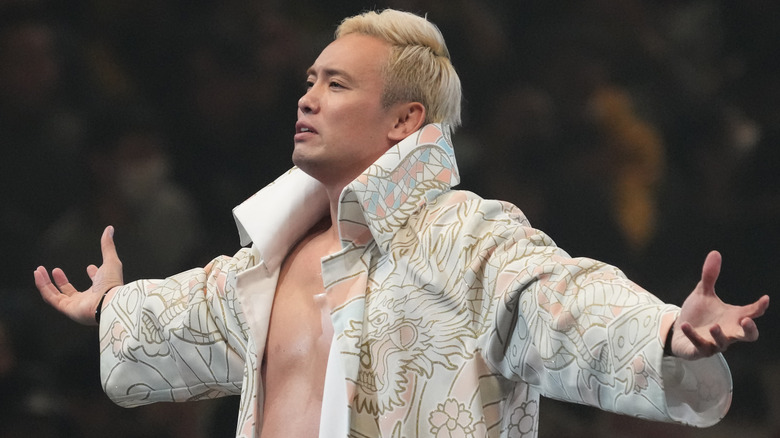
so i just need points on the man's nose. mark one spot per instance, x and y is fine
(308, 102)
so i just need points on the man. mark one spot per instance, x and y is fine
(376, 301)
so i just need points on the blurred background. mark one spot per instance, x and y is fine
(642, 133)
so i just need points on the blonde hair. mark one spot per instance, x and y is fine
(419, 68)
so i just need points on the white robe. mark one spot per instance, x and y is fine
(451, 316)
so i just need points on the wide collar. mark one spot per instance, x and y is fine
(374, 205)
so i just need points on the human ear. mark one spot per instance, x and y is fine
(409, 117)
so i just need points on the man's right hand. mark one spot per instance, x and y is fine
(81, 306)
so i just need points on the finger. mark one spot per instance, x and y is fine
(758, 308)
(750, 330)
(42, 279)
(710, 271)
(704, 347)
(92, 271)
(107, 246)
(721, 340)
(48, 290)
(61, 280)
(691, 334)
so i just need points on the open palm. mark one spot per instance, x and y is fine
(706, 324)
(81, 306)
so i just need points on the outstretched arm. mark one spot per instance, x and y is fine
(81, 306)
(706, 325)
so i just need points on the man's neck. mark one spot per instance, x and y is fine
(328, 228)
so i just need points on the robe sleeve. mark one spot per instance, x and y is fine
(579, 331)
(177, 339)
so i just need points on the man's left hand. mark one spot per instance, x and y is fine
(706, 325)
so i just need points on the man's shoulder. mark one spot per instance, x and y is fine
(466, 204)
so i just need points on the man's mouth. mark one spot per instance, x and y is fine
(302, 128)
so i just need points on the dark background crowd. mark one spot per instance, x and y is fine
(641, 133)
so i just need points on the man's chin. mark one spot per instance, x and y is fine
(314, 168)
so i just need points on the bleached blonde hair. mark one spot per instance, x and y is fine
(419, 68)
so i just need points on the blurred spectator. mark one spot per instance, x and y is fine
(159, 229)
(633, 164)
(44, 96)
(239, 91)
(129, 169)
(28, 406)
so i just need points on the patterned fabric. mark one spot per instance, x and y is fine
(452, 316)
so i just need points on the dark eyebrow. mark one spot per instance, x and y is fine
(329, 72)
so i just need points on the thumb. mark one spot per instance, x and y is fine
(107, 246)
(710, 271)
(92, 271)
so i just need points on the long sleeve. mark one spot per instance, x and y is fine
(578, 330)
(574, 329)
(177, 339)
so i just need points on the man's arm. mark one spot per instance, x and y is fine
(174, 339)
(577, 329)
(82, 306)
